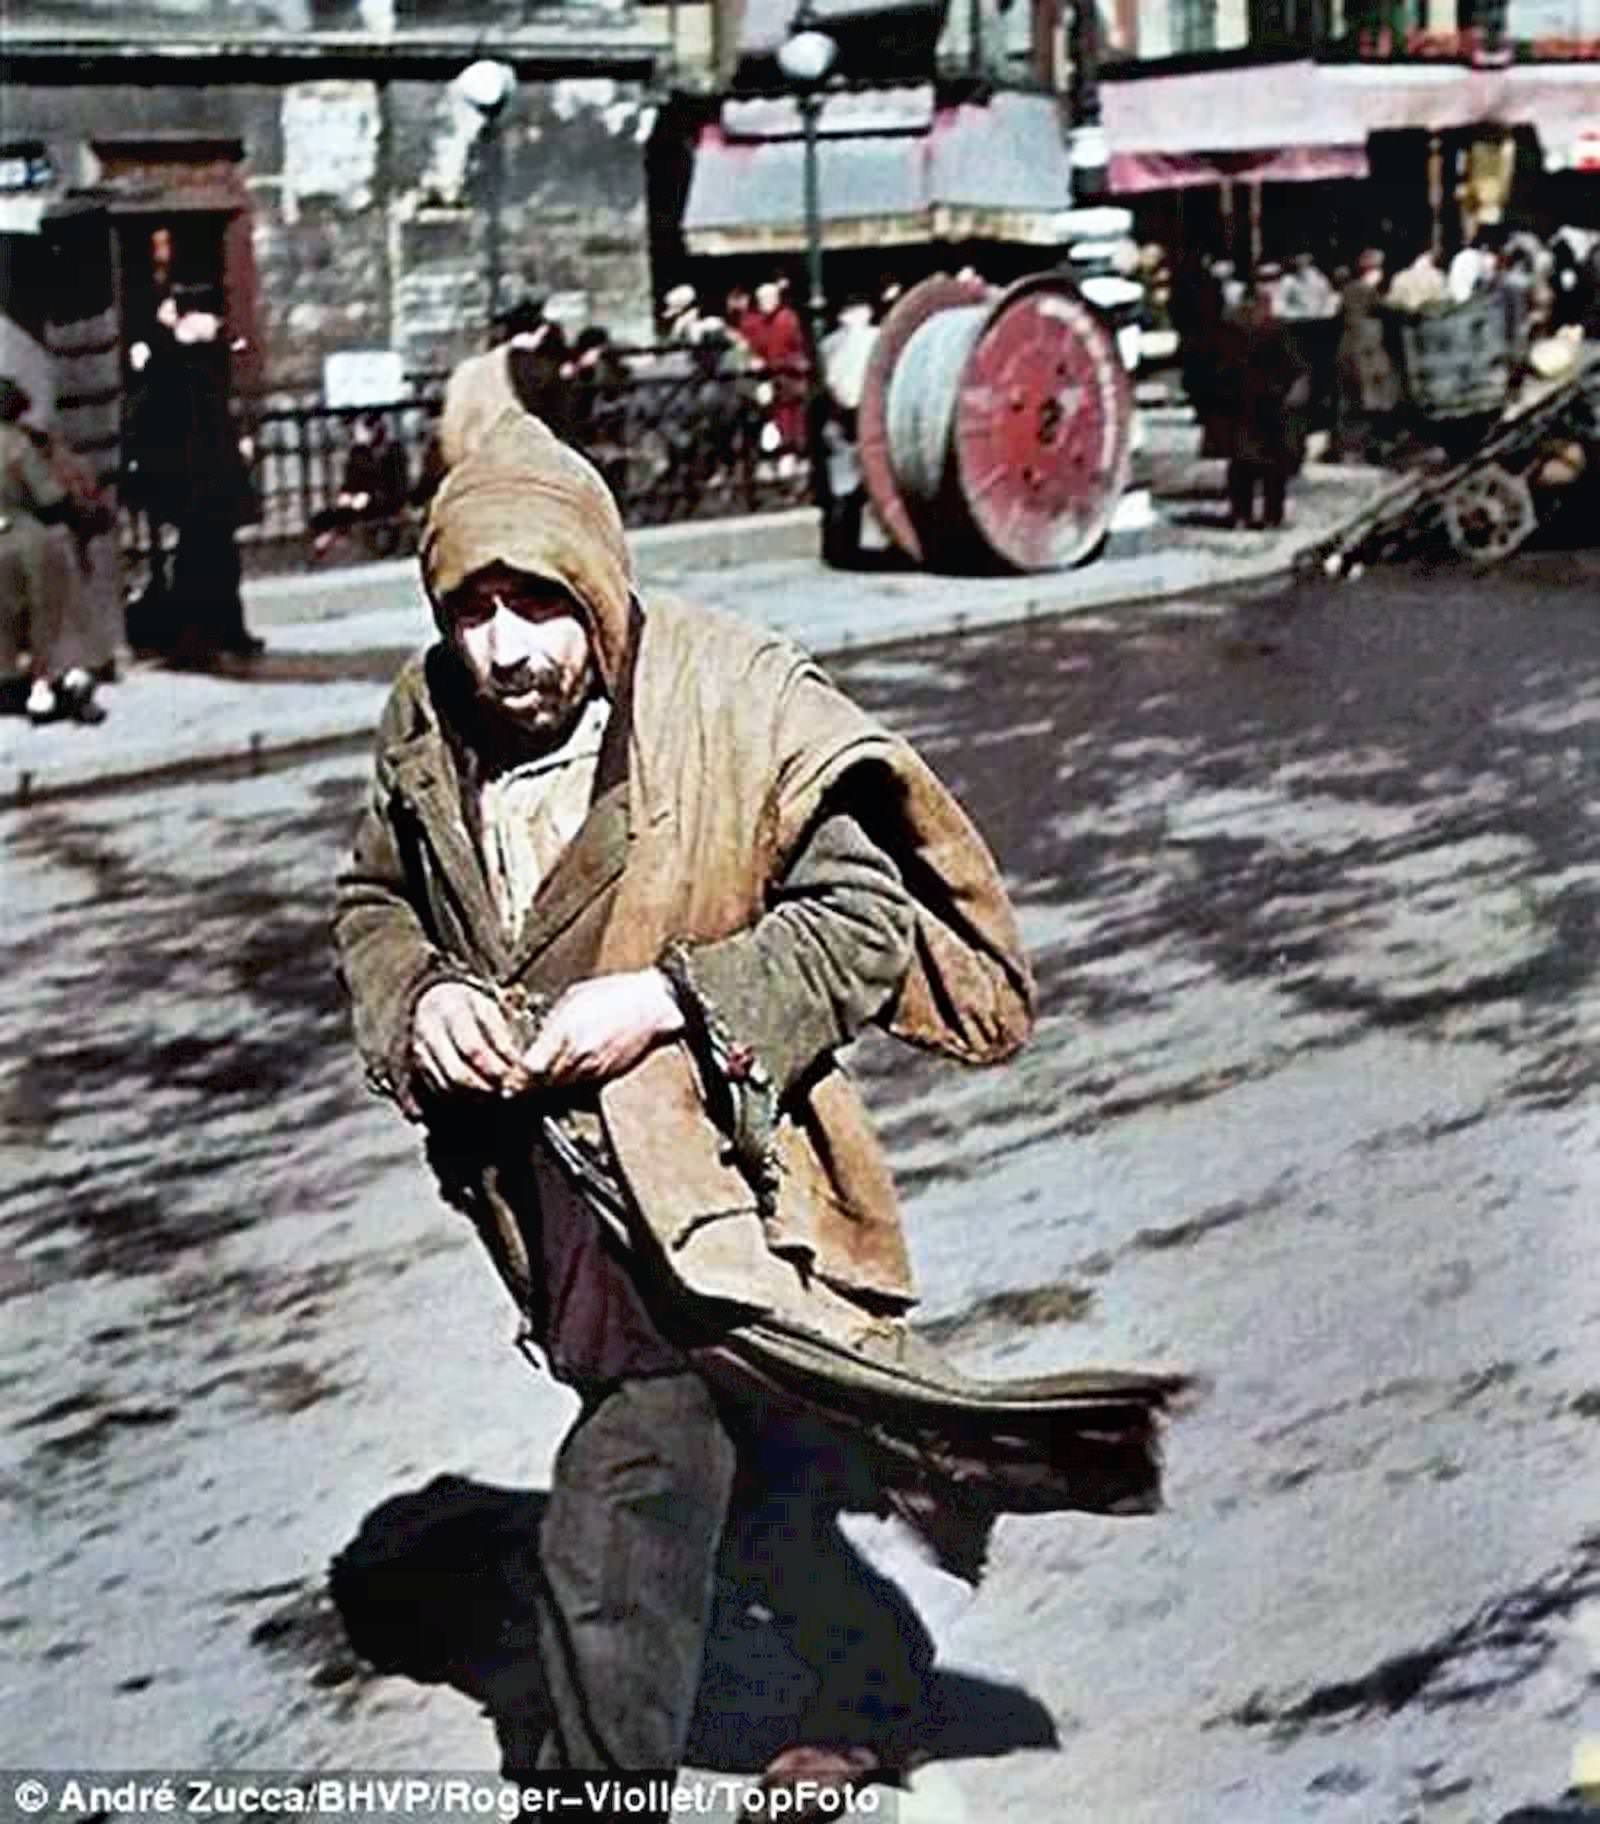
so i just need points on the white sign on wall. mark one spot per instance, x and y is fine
(363, 376)
(330, 143)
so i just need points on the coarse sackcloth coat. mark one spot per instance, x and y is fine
(736, 742)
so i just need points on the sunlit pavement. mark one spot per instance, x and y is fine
(1310, 882)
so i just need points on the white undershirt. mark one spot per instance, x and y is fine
(529, 814)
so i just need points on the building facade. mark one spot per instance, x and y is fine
(942, 138)
(318, 161)
(1256, 126)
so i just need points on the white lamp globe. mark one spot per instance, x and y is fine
(807, 57)
(487, 84)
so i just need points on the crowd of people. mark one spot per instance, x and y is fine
(730, 395)
(1268, 359)
(720, 397)
(725, 397)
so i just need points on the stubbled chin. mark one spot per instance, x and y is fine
(537, 718)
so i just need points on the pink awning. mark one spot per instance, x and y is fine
(1134, 172)
(996, 170)
(1304, 120)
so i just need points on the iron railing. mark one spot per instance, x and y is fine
(676, 437)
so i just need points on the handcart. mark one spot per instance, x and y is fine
(1502, 431)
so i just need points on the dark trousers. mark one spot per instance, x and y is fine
(1245, 478)
(628, 1549)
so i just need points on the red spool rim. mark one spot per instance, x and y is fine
(995, 485)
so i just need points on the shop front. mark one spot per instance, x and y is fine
(1331, 155)
(907, 181)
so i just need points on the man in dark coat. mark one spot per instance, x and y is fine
(1268, 386)
(1197, 314)
(631, 873)
(203, 487)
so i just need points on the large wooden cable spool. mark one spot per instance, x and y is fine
(995, 427)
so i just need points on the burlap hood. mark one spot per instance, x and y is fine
(522, 497)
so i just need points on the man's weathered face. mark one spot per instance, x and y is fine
(524, 642)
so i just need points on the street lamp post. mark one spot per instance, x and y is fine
(806, 57)
(816, 296)
(1086, 131)
(487, 86)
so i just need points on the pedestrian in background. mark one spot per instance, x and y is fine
(1575, 279)
(1475, 267)
(373, 490)
(680, 312)
(600, 383)
(776, 337)
(536, 355)
(1196, 312)
(1308, 307)
(92, 523)
(204, 619)
(1306, 293)
(1418, 285)
(153, 482)
(846, 353)
(1269, 386)
(736, 307)
(1369, 390)
(42, 600)
(525, 369)
(1233, 289)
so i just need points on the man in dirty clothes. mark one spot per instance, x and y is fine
(631, 874)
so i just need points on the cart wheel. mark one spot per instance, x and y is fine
(1489, 514)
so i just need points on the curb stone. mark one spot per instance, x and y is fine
(216, 724)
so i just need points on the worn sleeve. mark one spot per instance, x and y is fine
(827, 955)
(386, 959)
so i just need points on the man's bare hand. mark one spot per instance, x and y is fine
(601, 1028)
(461, 1040)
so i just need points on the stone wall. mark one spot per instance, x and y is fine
(368, 219)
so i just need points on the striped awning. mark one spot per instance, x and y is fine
(993, 170)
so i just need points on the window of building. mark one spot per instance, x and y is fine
(1194, 25)
(1283, 24)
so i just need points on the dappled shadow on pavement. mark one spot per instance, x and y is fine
(1271, 794)
(177, 1020)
